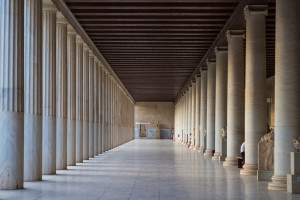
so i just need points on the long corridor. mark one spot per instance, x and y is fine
(147, 169)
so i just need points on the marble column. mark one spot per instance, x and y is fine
(61, 87)
(105, 111)
(102, 109)
(187, 115)
(197, 113)
(100, 101)
(11, 94)
(79, 99)
(211, 98)
(96, 105)
(49, 89)
(33, 90)
(203, 110)
(235, 96)
(287, 90)
(71, 114)
(190, 113)
(193, 112)
(85, 125)
(255, 88)
(221, 99)
(91, 104)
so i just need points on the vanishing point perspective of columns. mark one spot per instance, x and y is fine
(230, 95)
(59, 104)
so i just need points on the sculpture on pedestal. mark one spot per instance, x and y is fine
(297, 143)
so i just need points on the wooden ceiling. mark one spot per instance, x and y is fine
(154, 46)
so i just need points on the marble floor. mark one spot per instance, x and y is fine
(147, 169)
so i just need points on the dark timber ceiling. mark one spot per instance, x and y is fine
(154, 46)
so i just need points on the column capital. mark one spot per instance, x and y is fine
(85, 47)
(78, 39)
(235, 34)
(91, 53)
(255, 10)
(210, 61)
(60, 19)
(221, 49)
(49, 8)
(71, 30)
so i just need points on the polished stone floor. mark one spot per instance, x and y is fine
(147, 169)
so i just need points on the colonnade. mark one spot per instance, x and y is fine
(233, 94)
(58, 104)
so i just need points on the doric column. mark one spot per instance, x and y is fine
(96, 105)
(71, 115)
(190, 113)
(203, 110)
(85, 126)
(101, 107)
(235, 96)
(197, 115)
(49, 89)
(33, 90)
(79, 99)
(193, 112)
(61, 98)
(211, 98)
(287, 90)
(187, 115)
(91, 104)
(221, 99)
(105, 111)
(255, 89)
(11, 94)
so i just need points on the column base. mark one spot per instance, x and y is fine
(216, 156)
(208, 152)
(279, 182)
(249, 170)
(230, 161)
(196, 148)
(201, 150)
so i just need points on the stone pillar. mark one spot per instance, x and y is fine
(100, 108)
(61, 98)
(235, 96)
(197, 113)
(105, 110)
(193, 115)
(287, 100)
(211, 92)
(11, 94)
(203, 110)
(187, 115)
(96, 105)
(71, 115)
(255, 89)
(91, 104)
(33, 90)
(85, 126)
(49, 89)
(79, 99)
(190, 113)
(221, 98)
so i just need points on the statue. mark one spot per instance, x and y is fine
(157, 125)
(297, 143)
(224, 132)
(266, 152)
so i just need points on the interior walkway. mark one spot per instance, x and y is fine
(147, 169)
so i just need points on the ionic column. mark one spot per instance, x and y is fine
(11, 94)
(221, 98)
(96, 105)
(203, 110)
(49, 89)
(211, 98)
(197, 108)
(61, 100)
(287, 99)
(255, 89)
(33, 90)
(79, 99)
(91, 104)
(235, 96)
(85, 126)
(71, 114)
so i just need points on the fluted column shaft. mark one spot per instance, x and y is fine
(187, 115)
(71, 114)
(85, 102)
(96, 105)
(197, 114)
(203, 111)
(33, 90)
(11, 94)
(235, 96)
(49, 89)
(211, 98)
(221, 99)
(61, 98)
(287, 90)
(255, 89)
(193, 112)
(79, 99)
(91, 104)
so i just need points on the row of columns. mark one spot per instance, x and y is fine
(58, 104)
(235, 97)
